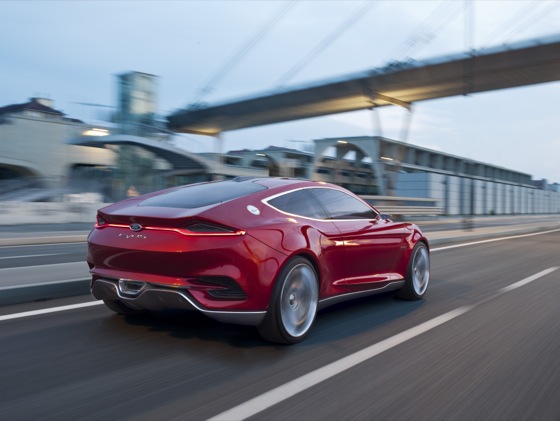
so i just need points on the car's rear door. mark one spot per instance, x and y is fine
(320, 233)
(372, 245)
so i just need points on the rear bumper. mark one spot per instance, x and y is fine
(241, 266)
(151, 297)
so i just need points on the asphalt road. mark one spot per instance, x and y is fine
(481, 346)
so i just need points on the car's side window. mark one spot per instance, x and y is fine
(299, 202)
(340, 205)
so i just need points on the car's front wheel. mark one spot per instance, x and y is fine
(293, 305)
(417, 274)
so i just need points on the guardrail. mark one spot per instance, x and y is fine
(411, 210)
(405, 206)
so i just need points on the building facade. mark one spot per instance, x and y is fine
(461, 186)
(33, 146)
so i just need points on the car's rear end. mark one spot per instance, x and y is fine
(175, 250)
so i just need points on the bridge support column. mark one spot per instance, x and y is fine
(218, 173)
(400, 152)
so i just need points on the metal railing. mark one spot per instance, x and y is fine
(405, 206)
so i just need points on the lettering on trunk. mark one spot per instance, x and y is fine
(141, 236)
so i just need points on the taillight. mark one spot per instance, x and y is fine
(201, 227)
(100, 222)
(209, 228)
(195, 228)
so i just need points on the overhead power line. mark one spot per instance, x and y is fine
(498, 31)
(428, 30)
(243, 51)
(325, 43)
(520, 21)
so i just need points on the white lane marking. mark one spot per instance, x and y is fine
(41, 245)
(49, 310)
(493, 240)
(527, 280)
(32, 255)
(287, 390)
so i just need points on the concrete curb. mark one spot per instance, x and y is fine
(21, 294)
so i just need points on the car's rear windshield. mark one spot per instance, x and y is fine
(200, 195)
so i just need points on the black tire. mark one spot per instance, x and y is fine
(293, 305)
(121, 308)
(417, 274)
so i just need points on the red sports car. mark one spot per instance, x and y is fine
(267, 252)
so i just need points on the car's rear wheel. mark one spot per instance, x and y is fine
(121, 308)
(293, 305)
(417, 274)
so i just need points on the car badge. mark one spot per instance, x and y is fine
(135, 227)
(253, 210)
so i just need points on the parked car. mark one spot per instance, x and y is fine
(268, 252)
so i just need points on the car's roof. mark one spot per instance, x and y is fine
(272, 182)
(212, 193)
(194, 197)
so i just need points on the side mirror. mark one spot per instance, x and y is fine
(386, 216)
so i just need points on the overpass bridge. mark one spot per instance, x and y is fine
(398, 83)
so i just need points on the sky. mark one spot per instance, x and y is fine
(71, 52)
